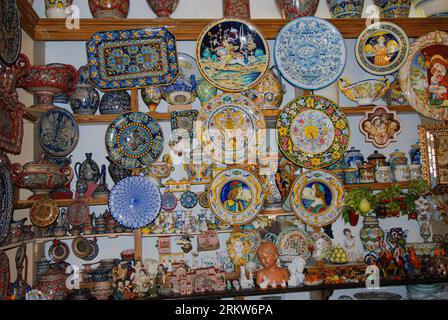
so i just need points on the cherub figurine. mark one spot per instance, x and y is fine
(271, 274)
(296, 268)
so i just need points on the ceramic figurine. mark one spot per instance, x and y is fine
(394, 8)
(151, 96)
(372, 271)
(345, 8)
(296, 268)
(109, 8)
(424, 210)
(350, 245)
(163, 8)
(57, 9)
(115, 102)
(268, 254)
(88, 170)
(140, 280)
(229, 286)
(364, 92)
(236, 8)
(85, 98)
(292, 9)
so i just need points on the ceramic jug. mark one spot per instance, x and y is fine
(87, 171)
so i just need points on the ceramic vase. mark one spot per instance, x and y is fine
(394, 8)
(353, 158)
(109, 8)
(236, 8)
(415, 171)
(397, 158)
(151, 96)
(292, 9)
(163, 8)
(415, 154)
(402, 173)
(115, 102)
(57, 9)
(116, 172)
(88, 170)
(383, 174)
(85, 99)
(370, 233)
(345, 8)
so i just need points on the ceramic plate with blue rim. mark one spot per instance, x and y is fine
(310, 53)
(57, 132)
(134, 140)
(169, 201)
(135, 201)
(189, 200)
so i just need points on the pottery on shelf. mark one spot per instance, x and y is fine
(377, 159)
(397, 158)
(163, 8)
(151, 96)
(394, 96)
(353, 158)
(370, 233)
(159, 170)
(415, 171)
(53, 282)
(205, 91)
(57, 9)
(116, 172)
(402, 173)
(236, 8)
(102, 191)
(415, 154)
(109, 8)
(180, 92)
(41, 177)
(85, 98)
(364, 92)
(115, 102)
(88, 170)
(383, 174)
(393, 8)
(345, 8)
(432, 8)
(292, 9)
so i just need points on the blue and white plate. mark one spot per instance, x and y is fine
(189, 200)
(58, 132)
(135, 202)
(310, 53)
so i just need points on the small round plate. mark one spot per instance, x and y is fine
(59, 252)
(203, 200)
(292, 243)
(169, 201)
(188, 68)
(44, 212)
(81, 247)
(57, 132)
(189, 200)
(382, 48)
(232, 54)
(93, 250)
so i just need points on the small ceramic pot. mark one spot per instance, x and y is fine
(394, 8)
(109, 8)
(163, 8)
(57, 9)
(345, 8)
(85, 99)
(383, 174)
(397, 158)
(402, 173)
(351, 176)
(151, 96)
(377, 159)
(205, 91)
(353, 158)
(292, 9)
(415, 171)
(432, 8)
(415, 154)
(116, 172)
(103, 290)
(366, 173)
(115, 102)
(364, 92)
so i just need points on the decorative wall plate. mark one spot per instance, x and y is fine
(292, 243)
(423, 77)
(4, 275)
(169, 201)
(10, 31)
(58, 132)
(232, 54)
(58, 251)
(184, 119)
(188, 68)
(133, 58)
(236, 196)
(78, 213)
(44, 212)
(203, 200)
(6, 197)
(310, 53)
(81, 247)
(135, 202)
(230, 124)
(380, 127)
(93, 250)
(382, 48)
(312, 131)
(134, 140)
(317, 197)
(189, 200)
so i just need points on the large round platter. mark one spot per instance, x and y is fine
(10, 31)
(134, 140)
(6, 196)
(232, 54)
(58, 252)
(292, 243)
(312, 131)
(44, 212)
(424, 78)
(57, 132)
(317, 197)
(382, 48)
(188, 68)
(135, 202)
(310, 53)
(236, 196)
(230, 125)
(4, 275)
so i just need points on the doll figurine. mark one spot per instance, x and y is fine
(272, 274)
(296, 268)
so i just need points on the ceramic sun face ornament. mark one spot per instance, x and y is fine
(380, 127)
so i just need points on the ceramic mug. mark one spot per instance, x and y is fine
(402, 173)
(415, 171)
(383, 174)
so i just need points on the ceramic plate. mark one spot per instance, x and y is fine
(169, 201)
(377, 296)
(6, 196)
(424, 78)
(230, 124)
(81, 247)
(203, 200)
(236, 196)
(135, 202)
(188, 68)
(312, 131)
(310, 53)
(4, 275)
(232, 54)
(134, 140)
(78, 213)
(382, 48)
(93, 250)
(58, 132)
(189, 200)
(317, 197)
(183, 119)
(10, 31)
(292, 243)
(59, 252)
(134, 58)
(44, 212)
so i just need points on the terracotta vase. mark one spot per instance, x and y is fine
(109, 8)
(163, 8)
(236, 8)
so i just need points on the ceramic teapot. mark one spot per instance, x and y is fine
(87, 171)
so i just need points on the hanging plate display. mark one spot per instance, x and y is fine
(317, 197)
(169, 201)
(423, 77)
(133, 58)
(4, 275)
(310, 53)
(81, 247)
(6, 196)
(10, 32)
(44, 212)
(293, 243)
(232, 54)
(189, 200)
(93, 250)
(312, 131)
(134, 140)
(230, 125)
(135, 202)
(58, 251)
(236, 196)
(382, 48)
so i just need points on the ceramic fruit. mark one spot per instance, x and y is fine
(53, 282)
(432, 8)
(163, 8)
(57, 8)
(41, 177)
(205, 91)
(345, 8)
(109, 8)
(402, 173)
(115, 102)
(394, 8)
(338, 255)
(370, 233)
(85, 98)
(292, 9)
(151, 96)
(364, 92)
(236, 8)
(397, 158)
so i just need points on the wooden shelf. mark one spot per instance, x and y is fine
(375, 186)
(24, 204)
(89, 236)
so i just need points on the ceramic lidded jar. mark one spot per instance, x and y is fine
(85, 98)
(163, 8)
(292, 9)
(109, 8)
(345, 8)
(394, 8)
(353, 158)
(366, 173)
(351, 176)
(415, 171)
(383, 174)
(377, 159)
(402, 173)
(115, 102)
(370, 233)
(397, 158)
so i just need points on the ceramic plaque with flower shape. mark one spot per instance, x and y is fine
(312, 131)
(310, 53)
(230, 128)
(232, 54)
(133, 58)
(317, 197)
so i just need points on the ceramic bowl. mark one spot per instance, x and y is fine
(345, 8)
(115, 102)
(364, 92)
(432, 8)
(394, 8)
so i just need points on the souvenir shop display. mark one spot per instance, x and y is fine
(348, 9)
(163, 8)
(380, 127)
(6, 205)
(364, 92)
(117, 9)
(11, 39)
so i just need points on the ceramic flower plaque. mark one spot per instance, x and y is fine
(380, 126)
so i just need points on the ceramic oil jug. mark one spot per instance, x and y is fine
(87, 171)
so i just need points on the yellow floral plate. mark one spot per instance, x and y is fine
(312, 131)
